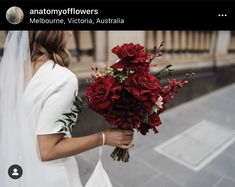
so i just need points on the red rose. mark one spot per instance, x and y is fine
(132, 57)
(144, 87)
(144, 128)
(127, 112)
(102, 92)
(154, 120)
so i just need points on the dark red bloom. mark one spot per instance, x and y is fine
(144, 128)
(127, 112)
(102, 92)
(154, 120)
(132, 57)
(144, 87)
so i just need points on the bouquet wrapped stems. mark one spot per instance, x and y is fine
(120, 154)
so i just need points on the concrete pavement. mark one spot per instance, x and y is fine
(149, 168)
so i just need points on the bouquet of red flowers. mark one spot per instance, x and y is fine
(128, 95)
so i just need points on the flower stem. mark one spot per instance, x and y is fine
(120, 154)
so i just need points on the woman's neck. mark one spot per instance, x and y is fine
(36, 65)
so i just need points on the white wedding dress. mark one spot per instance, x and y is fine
(30, 106)
(50, 93)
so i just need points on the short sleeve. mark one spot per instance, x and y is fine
(59, 101)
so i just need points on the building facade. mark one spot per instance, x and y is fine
(183, 49)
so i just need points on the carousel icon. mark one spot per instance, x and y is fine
(14, 15)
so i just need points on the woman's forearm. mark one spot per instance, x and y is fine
(55, 146)
(66, 147)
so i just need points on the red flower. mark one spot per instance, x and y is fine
(154, 120)
(168, 91)
(144, 128)
(102, 92)
(144, 87)
(127, 112)
(132, 57)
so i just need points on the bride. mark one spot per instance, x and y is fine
(36, 88)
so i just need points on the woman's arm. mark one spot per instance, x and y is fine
(55, 146)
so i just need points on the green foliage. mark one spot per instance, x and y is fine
(71, 118)
(166, 70)
(88, 81)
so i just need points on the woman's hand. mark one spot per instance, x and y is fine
(119, 138)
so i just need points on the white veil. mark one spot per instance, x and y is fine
(17, 143)
(18, 129)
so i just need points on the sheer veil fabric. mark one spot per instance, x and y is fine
(18, 129)
(15, 73)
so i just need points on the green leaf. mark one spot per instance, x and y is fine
(71, 117)
(146, 120)
(69, 120)
(168, 66)
(165, 70)
(61, 130)
(88, 81)
(62, 121)
(68, 115)
(153, 109)
(74, 111)
(70, 123)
